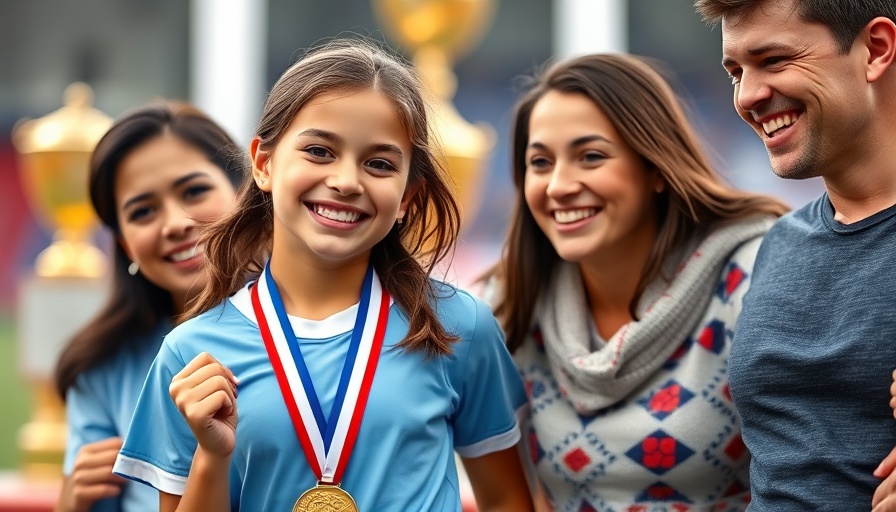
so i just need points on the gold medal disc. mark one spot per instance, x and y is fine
(325, 498)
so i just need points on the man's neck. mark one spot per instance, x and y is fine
(866, 187)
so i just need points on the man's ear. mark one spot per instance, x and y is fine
(261, 160)
(879, 37)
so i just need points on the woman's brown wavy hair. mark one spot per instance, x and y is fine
(650, 118)
(237, 246)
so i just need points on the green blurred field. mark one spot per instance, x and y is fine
(14, 395)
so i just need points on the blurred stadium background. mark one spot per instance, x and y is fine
(131, 51)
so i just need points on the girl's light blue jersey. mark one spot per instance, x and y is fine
(419, 411)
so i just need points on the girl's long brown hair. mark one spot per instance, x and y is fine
(650, 118)
(236, 246)
(136, 305)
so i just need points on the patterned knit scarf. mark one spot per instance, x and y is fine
(667, 311)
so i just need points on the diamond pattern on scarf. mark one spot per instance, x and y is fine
(536, 452)
(538, 338)
(613, 480)
(679, 353)
(736, 448)
(580, 458)
(666, 400)
(737, 487)
(659, 452)
(734, 276)
(662, 492)
(586, 507)
(540, 387)
(576, 459)
(713, 336)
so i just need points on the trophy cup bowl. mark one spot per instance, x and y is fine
(453, 26)
(438, 32)
(54, 154)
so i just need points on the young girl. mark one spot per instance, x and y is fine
(625, 268)
(343, 376)
(159, 171)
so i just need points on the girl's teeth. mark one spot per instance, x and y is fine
(337, 215)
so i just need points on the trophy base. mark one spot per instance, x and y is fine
(42, 440)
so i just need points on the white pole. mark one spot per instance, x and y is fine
(590, 26)
(228, 57)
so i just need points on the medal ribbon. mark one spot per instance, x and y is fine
(327, 442)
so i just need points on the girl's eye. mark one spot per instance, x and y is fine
(318, 152)
(196, 191)
(381, 165)
(734, 79)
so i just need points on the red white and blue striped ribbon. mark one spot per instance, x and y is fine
(327, 443)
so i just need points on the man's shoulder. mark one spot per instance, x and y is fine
(799, 222)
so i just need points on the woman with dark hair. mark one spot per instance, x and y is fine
(620, 286)
(159, 172)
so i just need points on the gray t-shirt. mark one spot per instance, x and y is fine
(812, 360)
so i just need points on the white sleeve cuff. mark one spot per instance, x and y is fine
(492, 444)
(146, 473)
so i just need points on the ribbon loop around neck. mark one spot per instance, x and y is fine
(326, 442)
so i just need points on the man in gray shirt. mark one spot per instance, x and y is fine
(815, 345)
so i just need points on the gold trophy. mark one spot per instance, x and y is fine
(440, 31)
(67, 288)
(54, 155)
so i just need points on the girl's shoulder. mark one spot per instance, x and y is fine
(222, 321)
(461, 312)
(454, 298)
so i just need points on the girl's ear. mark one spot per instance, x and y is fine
(261, 160)
(409, 193)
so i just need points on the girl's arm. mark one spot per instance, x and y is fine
(208, 486)
(498, 482)
(205, 394)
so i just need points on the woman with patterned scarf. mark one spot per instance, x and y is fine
(620, 287)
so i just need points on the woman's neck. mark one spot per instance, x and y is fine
(611, 283)
(313, 292)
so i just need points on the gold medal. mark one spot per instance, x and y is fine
(325, 498)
